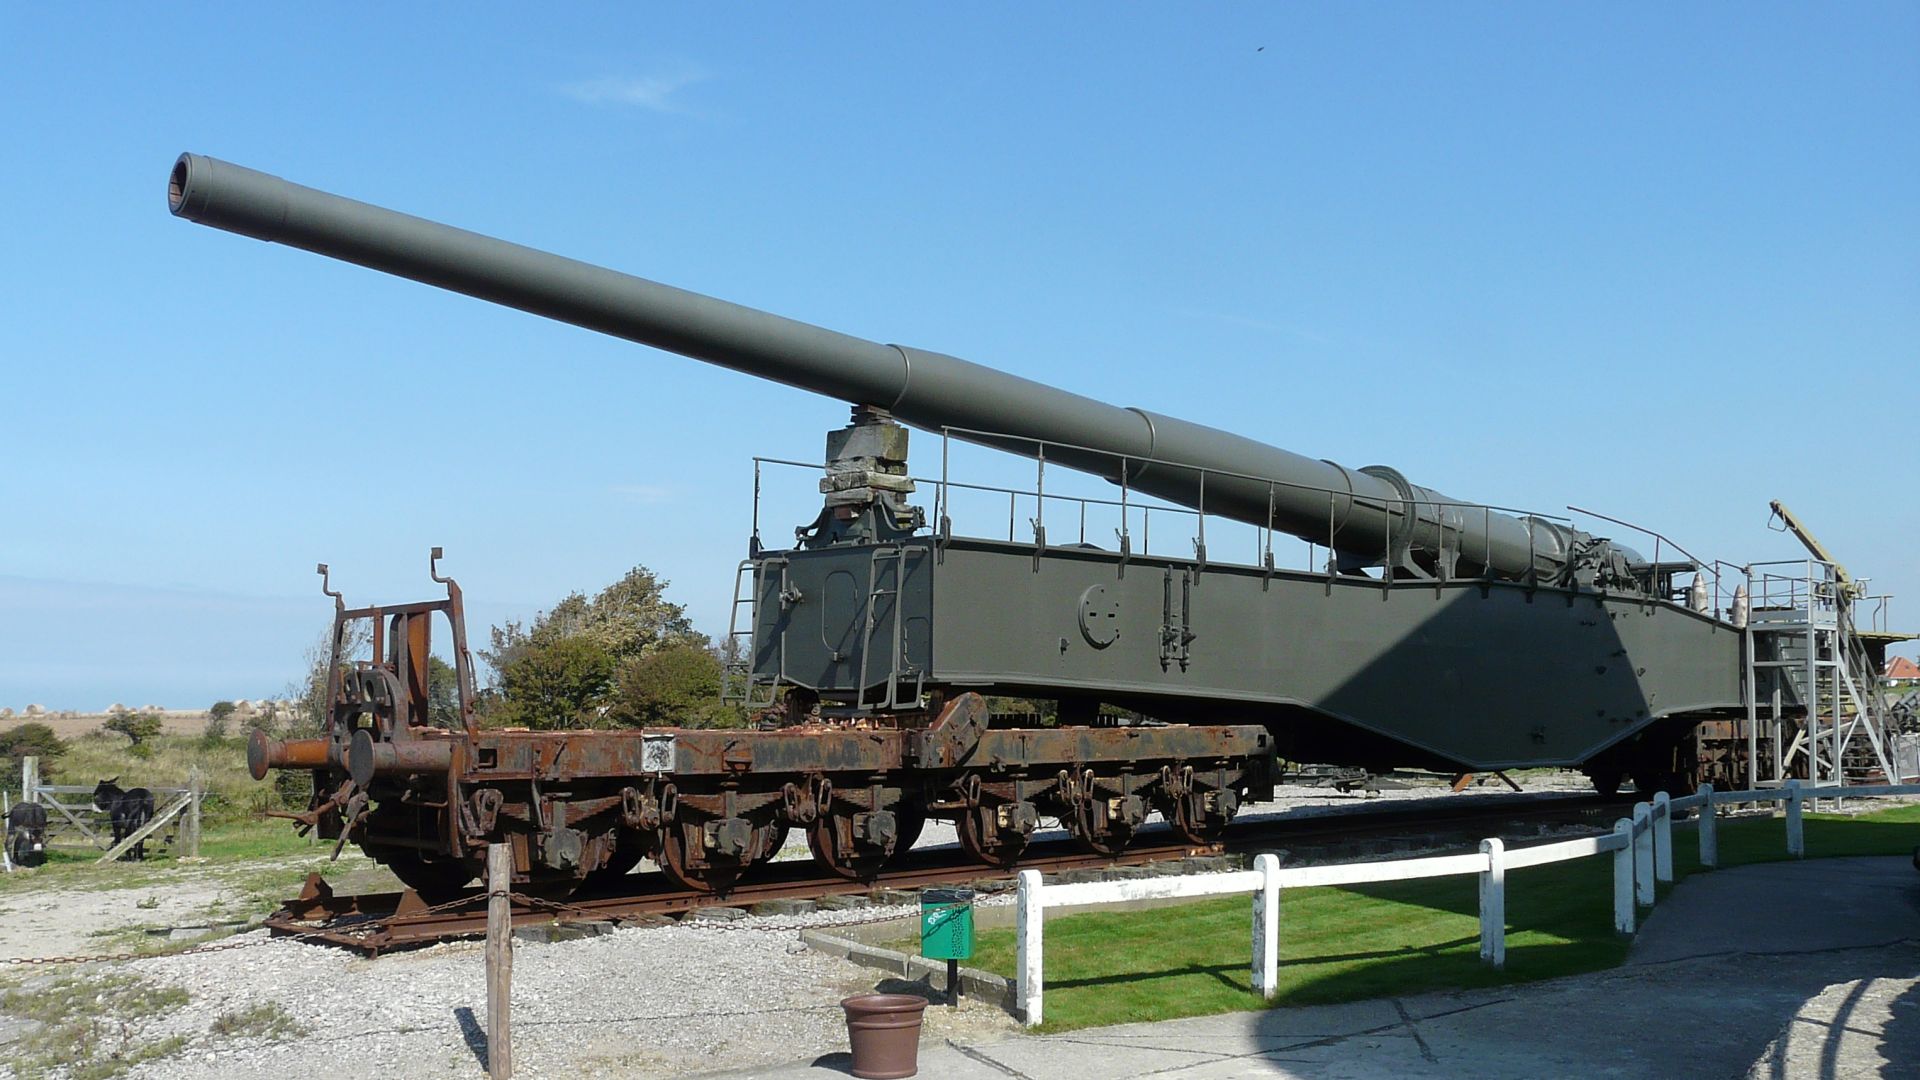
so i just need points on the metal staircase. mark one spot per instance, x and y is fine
(1814, 684)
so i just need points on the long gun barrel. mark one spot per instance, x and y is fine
(1371, 515)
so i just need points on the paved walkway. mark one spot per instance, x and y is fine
(1766, 972)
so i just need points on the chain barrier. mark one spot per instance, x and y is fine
(766, 924)
(373, 925)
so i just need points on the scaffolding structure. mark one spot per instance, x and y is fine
(1814, 705)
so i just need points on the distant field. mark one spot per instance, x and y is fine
(71, 726)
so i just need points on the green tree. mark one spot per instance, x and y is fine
(626, 619)
(675, 685)
(219, 723)
(555, 684)
(562, 669)
(443, 694)
(139, 727)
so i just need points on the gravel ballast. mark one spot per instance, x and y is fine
(665, 1001)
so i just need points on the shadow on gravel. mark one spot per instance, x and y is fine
(922, 987)
(840, 1061)
(472, 1034)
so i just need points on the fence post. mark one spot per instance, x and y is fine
(1027, 959)
(1493, 903)
(1709, 830)
(195, 787)
(499, 960)
(1623, 913)
(1266, 926)
(1663, 837)
(1643, 854)
(1796, 836)
(29, 779)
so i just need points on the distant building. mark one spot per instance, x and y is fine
(1901, 672)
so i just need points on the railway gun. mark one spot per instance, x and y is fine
(1440, 634)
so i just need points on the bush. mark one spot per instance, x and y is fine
(31, 739)
(138, 727)
(557, 684)
(673, 686)
(443, 694)
(292, 788)
(626, 655)
(219, 723)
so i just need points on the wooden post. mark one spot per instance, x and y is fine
(1027, 964)
(1266, 926)
(499, 960)
(194, 791)
(29, 779)
(1623, 913)
(1709, 830)
(1493, 903)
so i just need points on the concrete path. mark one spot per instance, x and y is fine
(1807, 969)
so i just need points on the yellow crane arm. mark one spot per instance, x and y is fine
(1813, 544)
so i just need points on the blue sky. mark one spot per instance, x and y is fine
(1662, 262)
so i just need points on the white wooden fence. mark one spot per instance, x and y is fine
(1641, 845)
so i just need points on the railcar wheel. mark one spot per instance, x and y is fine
(1000, 848)
(1109, 841)
(834, 847)
(625, 857)
(436, 882)
(1606, 781)
(773, 838)
(912, 824)
(689, 867)
(1648, 781)
(1194, 825)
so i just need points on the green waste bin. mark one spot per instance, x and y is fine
(946, 924)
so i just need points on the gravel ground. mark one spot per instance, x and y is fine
(69, 921)
(668, 1001)
(659, 1002)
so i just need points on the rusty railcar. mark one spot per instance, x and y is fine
(581, 807)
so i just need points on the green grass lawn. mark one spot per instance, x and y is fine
(1367, 941)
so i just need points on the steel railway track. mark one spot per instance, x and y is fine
(378, 922)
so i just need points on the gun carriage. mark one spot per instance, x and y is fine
(1440, 633)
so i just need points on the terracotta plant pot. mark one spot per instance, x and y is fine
(884, 1031)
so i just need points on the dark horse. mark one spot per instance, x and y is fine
(27, 834)
(128, 809)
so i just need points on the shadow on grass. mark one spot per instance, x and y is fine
(1224, 972)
